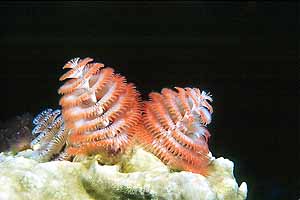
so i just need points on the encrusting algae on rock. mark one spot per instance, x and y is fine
(143, 176)
(121, 147)
(15, 133)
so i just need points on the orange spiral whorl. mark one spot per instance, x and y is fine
(99, 108)
(175, 128)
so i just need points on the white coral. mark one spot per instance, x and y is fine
(143, 176)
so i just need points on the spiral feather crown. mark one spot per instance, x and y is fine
(175, 128)
(51, 136)
(99, 108)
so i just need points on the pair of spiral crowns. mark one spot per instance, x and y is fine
(103, 114)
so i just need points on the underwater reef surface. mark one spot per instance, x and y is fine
(140, 176)
(15, 133)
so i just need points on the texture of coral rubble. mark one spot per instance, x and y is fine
(142, 176)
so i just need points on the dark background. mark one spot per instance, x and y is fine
(245, 54)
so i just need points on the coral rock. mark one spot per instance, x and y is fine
(15, 134)
(22, 179)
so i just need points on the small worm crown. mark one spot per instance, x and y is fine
(49, 126)
(99, 108)
(175, 128)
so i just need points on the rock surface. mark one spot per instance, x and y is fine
(142, 176)
(15, 133)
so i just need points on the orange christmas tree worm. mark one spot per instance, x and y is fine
(175, 128)
(100, 109)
